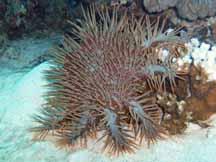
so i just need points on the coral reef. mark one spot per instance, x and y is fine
(18, 17)
(104, 82)
(189, 9)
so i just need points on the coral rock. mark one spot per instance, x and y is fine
(189, 9)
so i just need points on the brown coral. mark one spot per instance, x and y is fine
(103, 87)
(201, 103)
(198, 96)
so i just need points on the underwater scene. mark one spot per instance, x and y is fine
(107, 80)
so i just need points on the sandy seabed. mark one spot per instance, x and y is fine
(21, 97)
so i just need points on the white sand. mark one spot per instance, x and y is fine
(20, 98)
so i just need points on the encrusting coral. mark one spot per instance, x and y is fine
(103, 84)
(201, 102)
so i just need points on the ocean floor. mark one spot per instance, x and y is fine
(21, 97)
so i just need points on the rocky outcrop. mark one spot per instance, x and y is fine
(157, 6)
(189, 9)
(26, 53)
